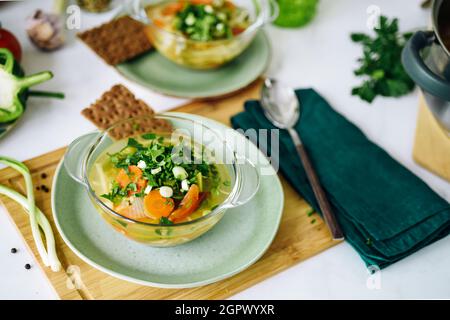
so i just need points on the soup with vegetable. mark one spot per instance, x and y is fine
(141, 178)
(201, 20)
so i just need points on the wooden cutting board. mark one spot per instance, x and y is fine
(432, 143)
(300, 236)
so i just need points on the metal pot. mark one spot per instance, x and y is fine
(427, 60)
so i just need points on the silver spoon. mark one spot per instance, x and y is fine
(282, 108)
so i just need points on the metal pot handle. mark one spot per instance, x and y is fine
(418, 70)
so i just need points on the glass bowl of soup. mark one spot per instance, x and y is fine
(204, 34)
(161, 187)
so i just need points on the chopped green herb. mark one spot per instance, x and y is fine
(116, 194)
(122, 223)
(313, 221)
(205, 22)
(133, 143)
(158, 154)
(165, 221)
(310, 212)
(132, 187)
(149, 136)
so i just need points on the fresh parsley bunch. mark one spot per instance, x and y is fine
(381, 65)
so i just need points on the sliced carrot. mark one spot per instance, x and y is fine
(188, 205)
(157, 206)
(134, 175)
(172, 8)
(122, 178)
(141, 184)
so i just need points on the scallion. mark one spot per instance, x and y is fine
(37, 218)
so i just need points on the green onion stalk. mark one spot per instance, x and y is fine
(37, 218)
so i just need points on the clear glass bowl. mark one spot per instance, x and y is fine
(206, 54)
(84, 151)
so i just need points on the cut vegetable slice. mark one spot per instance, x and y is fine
(134, 175)
(189, 204)
(157, 206)
(199, 177)
(133, 209)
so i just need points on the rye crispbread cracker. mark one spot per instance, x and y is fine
(118, 40)
(118, 104)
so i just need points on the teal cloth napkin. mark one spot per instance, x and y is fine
(385, 211)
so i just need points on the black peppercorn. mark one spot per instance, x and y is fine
(13, 250)
(44, 176)
(28, 266)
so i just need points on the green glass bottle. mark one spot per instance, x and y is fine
(296, 13)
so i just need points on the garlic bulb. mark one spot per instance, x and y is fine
(45, 30)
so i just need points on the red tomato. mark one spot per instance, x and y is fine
(9, 41)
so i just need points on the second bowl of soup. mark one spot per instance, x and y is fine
(205, 34)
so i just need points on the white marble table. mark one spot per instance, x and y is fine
(319, 56)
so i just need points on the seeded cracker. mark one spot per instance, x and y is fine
(119, 104)
(118, 40)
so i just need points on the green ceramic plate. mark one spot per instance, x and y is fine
(154, 71)
(236, 242)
